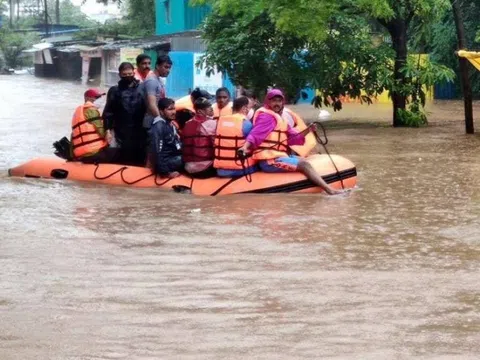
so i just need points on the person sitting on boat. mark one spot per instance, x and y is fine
(144, 62)
(165, 154)
(269, 142)
(230, 136)
(88, 139)
(254, 103)
(198, 141)
(184, 106)
(223, 105)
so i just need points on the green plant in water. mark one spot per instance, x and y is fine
(413, 116)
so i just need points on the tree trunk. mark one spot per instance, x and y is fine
(12, 13)
(398, 33)
(57, 11)
(462, 44)
(18, 11)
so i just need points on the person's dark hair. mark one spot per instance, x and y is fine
(223, 89)
(201, 104)
(125, 65)
(197, 93)
(165, 103)
(163, 59)
(142, 57)
(239, 103)
(249, 93)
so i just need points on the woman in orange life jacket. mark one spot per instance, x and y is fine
(269, 142)
(89, 142)
(198, 140)
(230, 136)
(223, 105)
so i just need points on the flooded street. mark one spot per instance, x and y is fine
(390, 271)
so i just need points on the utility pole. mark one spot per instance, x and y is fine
(462, 45)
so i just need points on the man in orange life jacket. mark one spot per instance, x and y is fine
(89, 143)
(223, 105)
(269, 140)
(230, 136)
(198, 140)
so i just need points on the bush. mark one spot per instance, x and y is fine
(11, 46)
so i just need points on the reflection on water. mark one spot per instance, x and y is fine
(95, 272)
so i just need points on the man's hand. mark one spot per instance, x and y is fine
(173, 175)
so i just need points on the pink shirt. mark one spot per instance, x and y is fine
(265, 124)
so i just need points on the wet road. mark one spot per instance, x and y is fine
(389, 272)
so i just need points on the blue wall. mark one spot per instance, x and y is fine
(180, 17)
(180, 80)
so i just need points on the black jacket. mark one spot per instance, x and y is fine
(165, 148)
(124, 112)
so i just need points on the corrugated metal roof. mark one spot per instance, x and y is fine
(77, 48)
(150, 42)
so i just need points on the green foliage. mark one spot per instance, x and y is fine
(349, 63)
(253, 52)
(138, 22)
(413, 116)
(443, 41)
(11, 46)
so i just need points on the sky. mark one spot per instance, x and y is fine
(91, 7)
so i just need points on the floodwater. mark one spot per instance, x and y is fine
(391, 271)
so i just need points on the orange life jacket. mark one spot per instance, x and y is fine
(229, 138)
(275, 145)
(299, 125)
(139, 76)
(227, 110)
(184, 103)
(85, 138)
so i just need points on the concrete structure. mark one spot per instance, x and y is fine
(176, 16)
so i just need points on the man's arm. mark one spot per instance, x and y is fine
(158, 144)
(92, 115)
(294, 137)
(264, 125)
(151, 86)
(109, 109)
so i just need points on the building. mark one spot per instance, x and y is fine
(179, 21)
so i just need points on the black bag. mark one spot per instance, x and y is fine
(62, 148)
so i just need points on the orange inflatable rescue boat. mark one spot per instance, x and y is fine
(337, 171)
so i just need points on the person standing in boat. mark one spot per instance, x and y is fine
(223, 105)
(269, 142)
(230, 136)
(88, 139)
(123, 117)
(143, 67)
(165, 154)
(198, 141)
(154, 89)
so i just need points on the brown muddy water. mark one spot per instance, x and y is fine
(390, 271)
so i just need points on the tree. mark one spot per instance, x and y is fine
(12, 44)
(312, 21)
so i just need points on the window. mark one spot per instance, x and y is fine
(168, 12)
